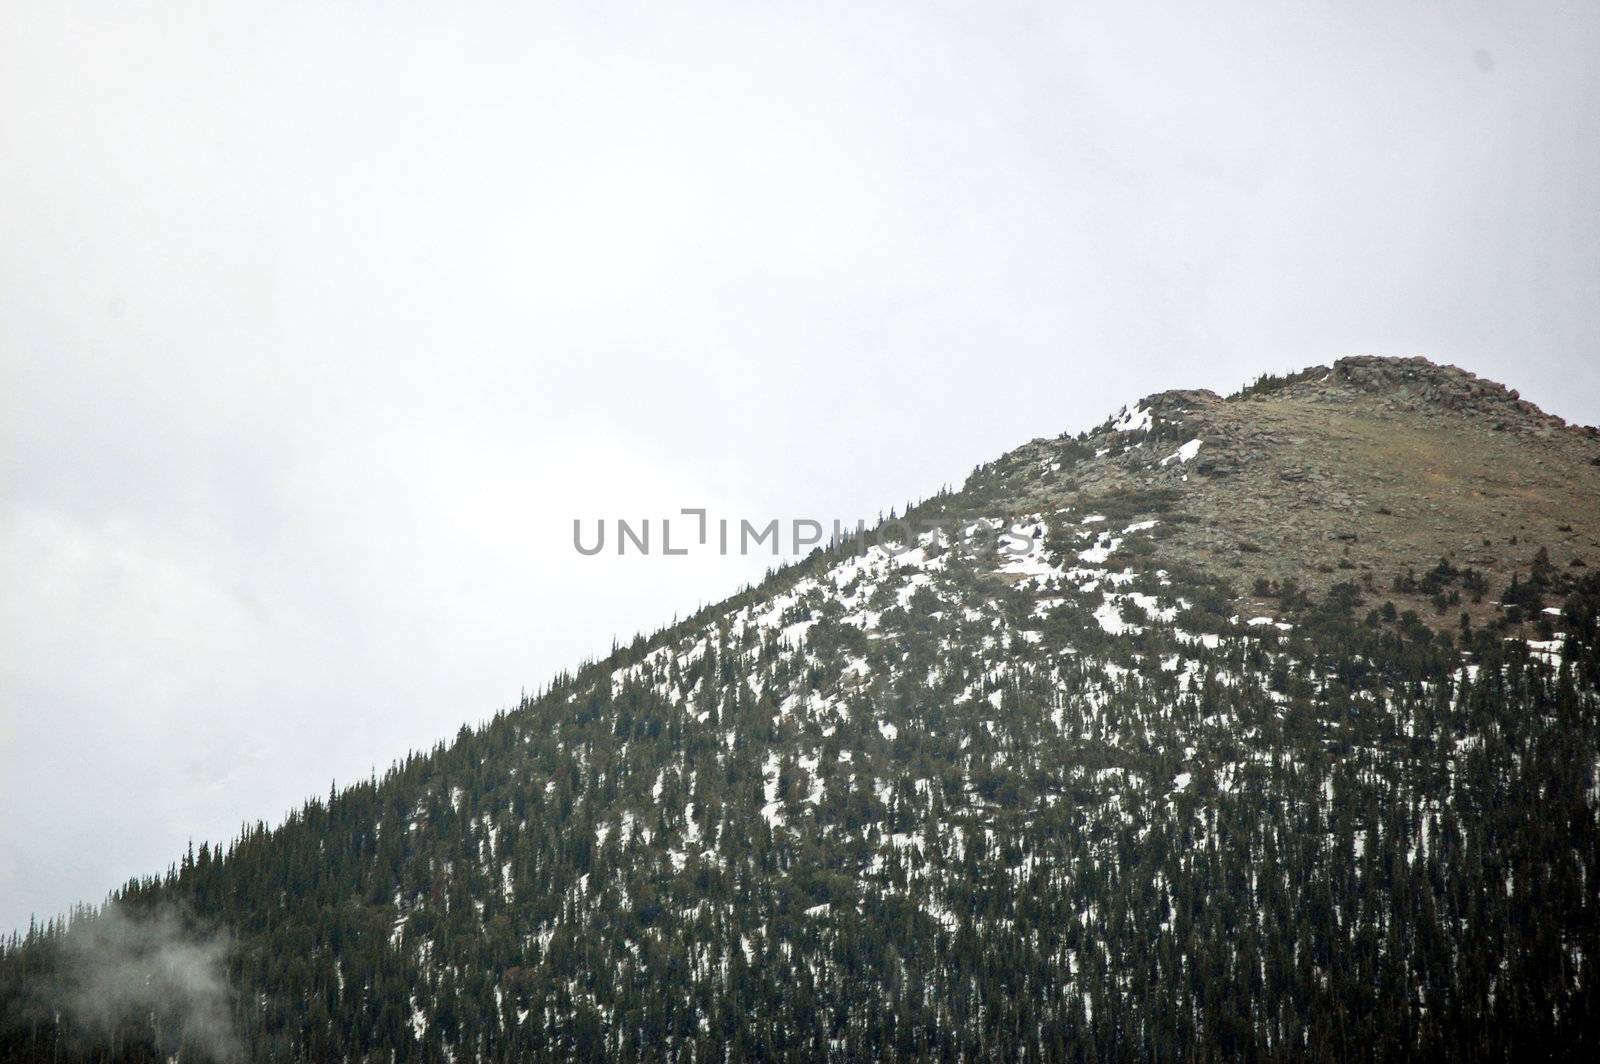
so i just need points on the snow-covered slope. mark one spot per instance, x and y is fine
(1036, 784)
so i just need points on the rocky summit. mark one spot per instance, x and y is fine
(1371, 467)
(1263, 727)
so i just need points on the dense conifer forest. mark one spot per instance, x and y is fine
(933, 800)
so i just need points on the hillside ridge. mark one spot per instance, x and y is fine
(1362, 470)
(1131, 787)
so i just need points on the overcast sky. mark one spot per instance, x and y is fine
(319, 324)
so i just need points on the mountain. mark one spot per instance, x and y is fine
(1263, 727)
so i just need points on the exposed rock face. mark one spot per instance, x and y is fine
(1358, 471)
(1416, 385)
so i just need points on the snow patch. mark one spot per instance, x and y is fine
(1135, 420)
(1183, 454)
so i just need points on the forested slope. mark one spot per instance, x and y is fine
(1030, 786)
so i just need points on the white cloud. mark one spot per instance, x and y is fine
(319, 325)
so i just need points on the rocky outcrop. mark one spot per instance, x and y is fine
(1355, 472)
(1412, 385)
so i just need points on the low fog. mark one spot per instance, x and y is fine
(155, 969)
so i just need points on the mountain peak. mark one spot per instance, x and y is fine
(927, 797)
(1405, 385)
(1360, 471)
